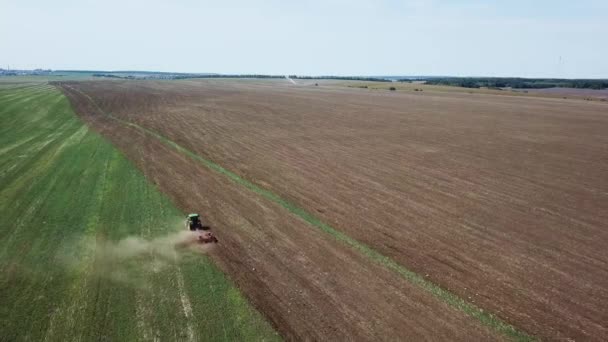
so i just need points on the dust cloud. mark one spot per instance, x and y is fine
(164, 247)
(134, 260)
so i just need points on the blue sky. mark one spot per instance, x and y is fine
(338, 37)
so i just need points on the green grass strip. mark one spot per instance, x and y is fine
(446, 296)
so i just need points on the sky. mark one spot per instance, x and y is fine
(531, 38)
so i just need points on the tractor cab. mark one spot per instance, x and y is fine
(194, 217)
(204, 235)
(193, 222)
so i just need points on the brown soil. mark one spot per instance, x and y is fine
(571, 92)
(501, 200)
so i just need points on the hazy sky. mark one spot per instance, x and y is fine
(533, 38)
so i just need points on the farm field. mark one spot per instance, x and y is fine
(308, 281)
(87, 243)
(558, 93)
(346, 213)
(569, 92)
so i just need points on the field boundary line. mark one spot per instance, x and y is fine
(486, 318)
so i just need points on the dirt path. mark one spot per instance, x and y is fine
(291, 80)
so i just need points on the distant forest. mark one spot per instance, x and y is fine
(346, 78)
(176, 76)
(521, 83)
(152, 75)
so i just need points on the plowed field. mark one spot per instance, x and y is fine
(352, 213)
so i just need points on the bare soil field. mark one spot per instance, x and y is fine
(583, 93)
(501, 200)
(416, 86)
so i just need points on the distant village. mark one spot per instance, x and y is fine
(16, 72)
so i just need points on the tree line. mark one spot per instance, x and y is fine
(521, 83)
(138, 75)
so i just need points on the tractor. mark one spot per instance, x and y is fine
(194, 224)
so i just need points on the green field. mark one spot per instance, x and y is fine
(83, 240)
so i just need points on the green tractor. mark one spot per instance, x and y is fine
(194, 224)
